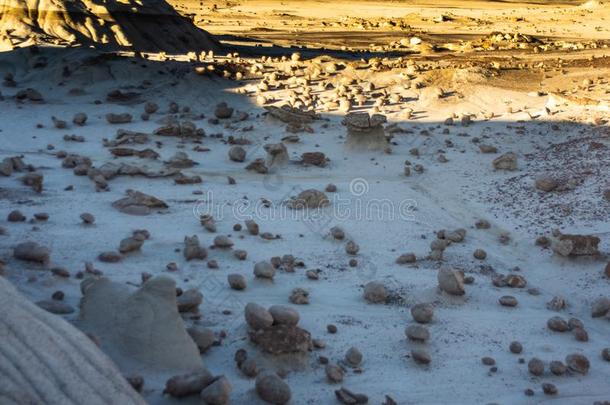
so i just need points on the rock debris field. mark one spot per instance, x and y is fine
(303, 227)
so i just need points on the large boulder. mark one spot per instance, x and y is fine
(140, 329)
(45, 360)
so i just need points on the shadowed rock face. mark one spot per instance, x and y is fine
(45, 360)
(151, 25)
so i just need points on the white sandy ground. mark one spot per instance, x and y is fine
(447, 196)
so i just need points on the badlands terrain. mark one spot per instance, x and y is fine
(318, 203)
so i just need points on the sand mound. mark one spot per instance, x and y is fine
(145, 26)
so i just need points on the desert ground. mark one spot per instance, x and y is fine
(346, 202)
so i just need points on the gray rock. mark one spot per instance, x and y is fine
(557, 367)
(237, 281)
(507, 161)
(272, 389)
(375, 292)
(577, 363)
(420, 356)
(535, 366)
(264, 269)
(450, 281)
(237, 154)
(184, 385)
(223, 242)
(508, 301)
(193, 250)
(600, 307)
(257, 316)
(353, 357)
(87, 218)
(515, 347)
(189, 300)
(218, 392)
(417, 333)
(284, 315)
(557, 324)
(422, 313)
(334, 373)
(32, 252)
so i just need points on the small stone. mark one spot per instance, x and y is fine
(508, 301)
(249, 368)
(600, 307)
(529, 392)
(482, 224)
(284, 315)
(577, 363)
(299, 296)
(109, 257)
(15, 216)
(87, 218)
(240, 254)
(549, 389)
(406, 258)
(184, 385)
(80, 119)
(488, 361)
(546, 183)
(420, 356)
(515, 347)
(606, 354)
(60, 272)
(507, 161)
(348, 397)
(330, 188)
(535, 366)
(557, 324)
(417, 333)
(218, 392)
(338, 233)
(189, 300)
(581, 335)
(223, 242)
(272, 389)
(257, 316)
(223, 111)
(351, 248)
(237, 281)
(557, 367)
(264, 270)
(252, 227)
(334, 373)
(422, 313)
(353, 357)
(237, 154)
(130, 244)
(479, 254)
(450, 281)
(375, 292)
(32, 252)
(557, 303)
(331, 328)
